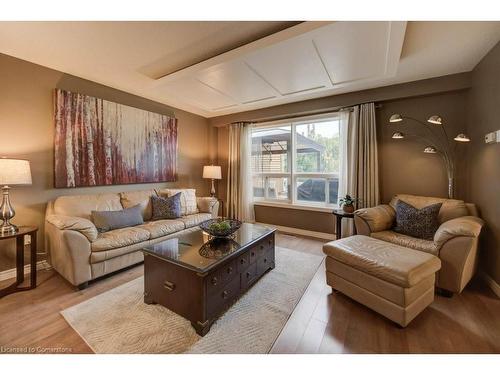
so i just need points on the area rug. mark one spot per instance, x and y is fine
(118, 321)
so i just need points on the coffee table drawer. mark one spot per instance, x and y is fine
(228, 271)
(223, 298)
(265, 262)
(249, 276)
(243, 261)
(252, 254)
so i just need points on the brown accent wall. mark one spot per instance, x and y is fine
(403, 166)
(484, 159)
(27, 129)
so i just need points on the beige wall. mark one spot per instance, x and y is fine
(27, 129)
(403, 167)
(484, 159)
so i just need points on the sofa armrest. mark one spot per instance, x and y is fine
(467, 226)
(209, 205)
(84, 226)
(374, 219)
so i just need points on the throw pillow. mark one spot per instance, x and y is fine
(414, 222)
(188, 199)
(166, 207)
(109, 220)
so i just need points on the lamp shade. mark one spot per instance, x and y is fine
(212, 171)
(462, 138)
(398, 135)
(435, 120)
(15, 172)
(396, 118)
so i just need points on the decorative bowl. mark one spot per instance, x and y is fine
(218, 247)
(220, 227)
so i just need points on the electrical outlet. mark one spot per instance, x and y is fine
(27, 240)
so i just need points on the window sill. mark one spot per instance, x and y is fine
(296, 206)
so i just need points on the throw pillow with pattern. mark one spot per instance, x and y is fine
(166, 207)
(420, 223)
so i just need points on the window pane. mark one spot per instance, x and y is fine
(278, 188)
(318, 146)
(333, 190)
(271, 149)
(258, 187)
(311, 189)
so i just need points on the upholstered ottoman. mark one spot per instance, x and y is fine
(392, 280)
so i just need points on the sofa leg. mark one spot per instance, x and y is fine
(83, 286)
(444, 292)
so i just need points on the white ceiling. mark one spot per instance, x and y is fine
(217, 68)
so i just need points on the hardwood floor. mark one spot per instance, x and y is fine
(321, 323)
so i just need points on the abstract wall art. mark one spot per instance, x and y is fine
(98, 142)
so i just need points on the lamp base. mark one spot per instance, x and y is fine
(212, 190)
(8, 228)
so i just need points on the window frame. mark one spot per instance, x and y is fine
(292, 174)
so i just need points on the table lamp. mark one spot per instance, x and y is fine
(12, 172)
(214, 173)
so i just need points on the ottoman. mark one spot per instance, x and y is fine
(392, 280)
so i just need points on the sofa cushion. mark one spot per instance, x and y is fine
(188, 199)
(161, 228)
(451, 208)
(420, 223)
(166, 207)
(195, 219)
(120, 238)
(392, 263)
(140, 197)
(406, 241)
(83, 205)
(109, 220)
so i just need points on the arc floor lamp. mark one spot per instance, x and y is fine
(438, 143)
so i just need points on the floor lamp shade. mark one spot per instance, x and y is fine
(12, 172)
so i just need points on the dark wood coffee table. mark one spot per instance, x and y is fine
(199, 277)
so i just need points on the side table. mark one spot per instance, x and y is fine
(19, 236)
(339, 215)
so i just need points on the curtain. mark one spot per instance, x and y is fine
(239, 177)
(359, 163)
(362, 157)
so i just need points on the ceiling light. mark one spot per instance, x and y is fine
(396, 118)
(430, 150)
(435, 120)
(398, 135)
(462, 138)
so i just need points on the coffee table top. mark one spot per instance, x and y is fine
(200, 252)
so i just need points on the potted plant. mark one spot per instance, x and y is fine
(348, 203)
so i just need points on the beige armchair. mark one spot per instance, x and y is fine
(455, 242)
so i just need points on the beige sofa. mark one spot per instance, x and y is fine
(455, 242)
(80, 254)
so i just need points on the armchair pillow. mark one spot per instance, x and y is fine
(166, 207)
(420, 223)
(109, 220)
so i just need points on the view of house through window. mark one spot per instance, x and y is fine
(297, 162)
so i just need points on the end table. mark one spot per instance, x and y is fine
(339, 215)
(19, 236)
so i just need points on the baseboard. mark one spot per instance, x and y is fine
(11, 274)
(302, 232)
(491, 283)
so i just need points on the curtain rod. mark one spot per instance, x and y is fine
(304, 114)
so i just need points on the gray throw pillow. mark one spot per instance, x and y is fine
(417, 223)
(109, 220)
(166, 207)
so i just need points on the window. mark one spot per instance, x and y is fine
(297, 162)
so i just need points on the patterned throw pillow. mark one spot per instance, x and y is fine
(166, 207)
(417, 223)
